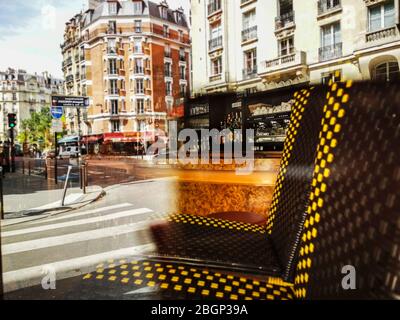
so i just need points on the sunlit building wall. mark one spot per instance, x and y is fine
(132, 59)
(259, 45)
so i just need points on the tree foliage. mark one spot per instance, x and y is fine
(37, 129)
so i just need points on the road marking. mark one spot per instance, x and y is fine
(83, 213)
(59, 225)
(21, 278)
(73, 238)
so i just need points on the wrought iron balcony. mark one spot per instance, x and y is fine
(330, 52)
(69, 78)
(284, 21)
(215, 43)
(249, 34)
(112, 50)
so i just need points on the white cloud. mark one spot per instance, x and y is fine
(35, 45)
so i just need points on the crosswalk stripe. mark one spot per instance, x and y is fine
(26, 277)
(72, 238)
(59, 225)
(82, 213)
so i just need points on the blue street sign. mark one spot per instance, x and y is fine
(56, 112)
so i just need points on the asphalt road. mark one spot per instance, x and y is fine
(73, 244)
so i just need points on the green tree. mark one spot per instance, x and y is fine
(37, 129)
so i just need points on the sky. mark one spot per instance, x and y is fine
(31, 32)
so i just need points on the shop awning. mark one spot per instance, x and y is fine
(92, 138)
(127, 137)
(69, 139)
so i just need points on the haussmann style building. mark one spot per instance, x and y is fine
(131, 58)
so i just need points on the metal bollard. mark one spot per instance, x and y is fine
(84, 178)
(29, 167)
(66, 185)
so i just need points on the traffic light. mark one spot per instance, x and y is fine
(12, 120)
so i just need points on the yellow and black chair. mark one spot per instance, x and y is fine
(334, 224)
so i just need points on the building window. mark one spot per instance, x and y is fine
(138, 26)
(140, 106)
(115, 126)
(114, 107)
(182, 72)
(381, 16)
(168, 88)
(331, 42)
(112, 66)
(112, 27)
(215, 36)
(387, 71)
(138, 66)
(166, 31)
(182, 56)
(137, 7)
(214, 6)
(111, 46)
(137, 46)
(163, 12)
(113, 87)
(139, 86)
(249, 29)
(334, 76)
(216, 66)
(286, 46)
(167, 51)
(180, 35)
(250, 61)
(182, 90)
(142, 125)
(112, 7)
(167, 69)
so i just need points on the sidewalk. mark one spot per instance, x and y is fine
(32, 196)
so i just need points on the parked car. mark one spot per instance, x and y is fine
(69, 152)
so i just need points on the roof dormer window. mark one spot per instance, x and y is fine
(138, 7)
(112, 8)
(163, 7)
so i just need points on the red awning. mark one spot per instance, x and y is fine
(113, 137)
(92, 138)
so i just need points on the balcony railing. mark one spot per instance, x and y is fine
(381, 34)
(68, 61)
(112, 71)
(111, 50)
(249, 73)
(249, 34)
(284, 21)
(330, 52)
(326, 6)
(69, 78)
(214, 6)
(292, 59)
(215, 43)
(138, 70)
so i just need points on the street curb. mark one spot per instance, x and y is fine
(57, 210)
